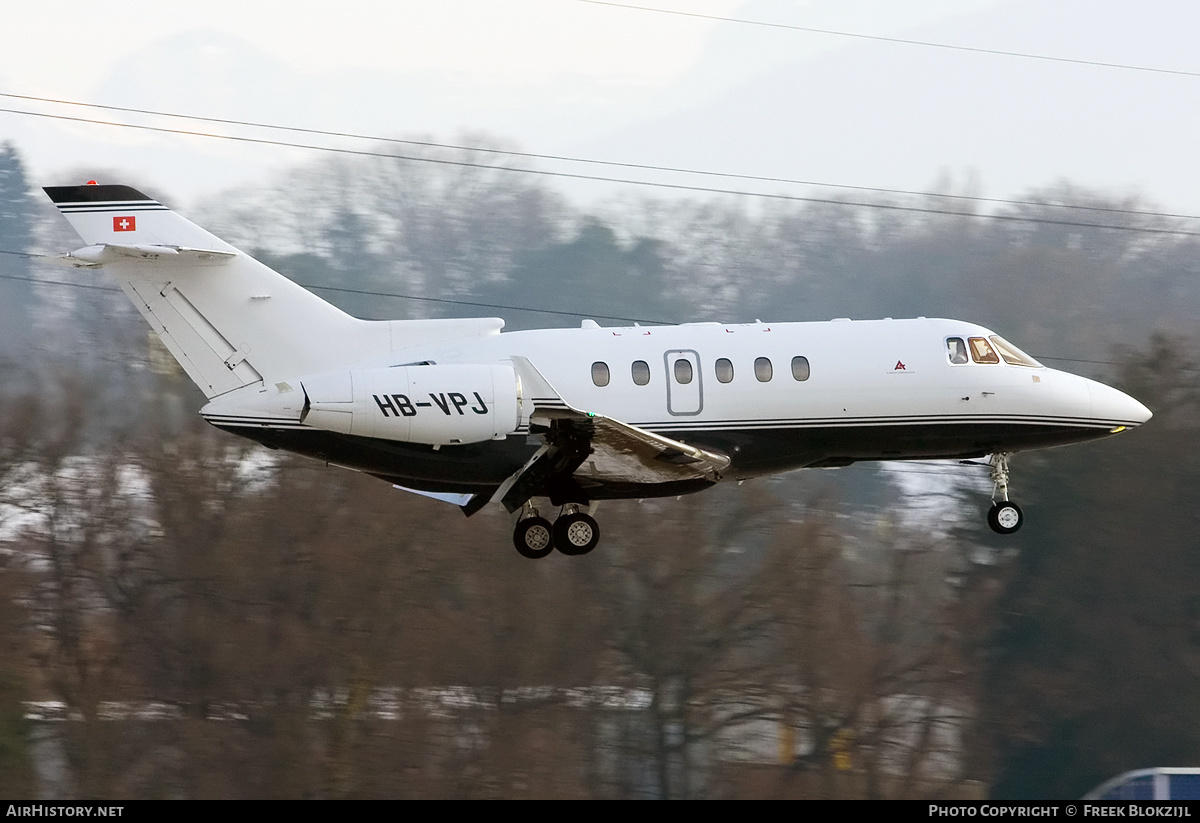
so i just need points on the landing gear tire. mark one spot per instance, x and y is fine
(1005, 517)
(576, 533)
(534, 537)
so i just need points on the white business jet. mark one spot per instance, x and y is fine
(458, 411)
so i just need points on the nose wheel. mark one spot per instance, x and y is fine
(573, 533)
(1004, 517)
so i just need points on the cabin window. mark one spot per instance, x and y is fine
(724, 368)
(956, 349)
(762, 369)
(600, 374)
(982, 352)
(683, 371)
(641, 372)
(800, 369)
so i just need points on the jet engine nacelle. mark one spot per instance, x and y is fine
(440, 405)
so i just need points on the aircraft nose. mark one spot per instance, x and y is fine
(1112, 405)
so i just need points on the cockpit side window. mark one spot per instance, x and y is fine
(981, 351)
(956, 349)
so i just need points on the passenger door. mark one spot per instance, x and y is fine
(685, 393)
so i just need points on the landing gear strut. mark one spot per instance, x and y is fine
(574, 532)
(1004, 517)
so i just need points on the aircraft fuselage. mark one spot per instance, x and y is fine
(871, 390)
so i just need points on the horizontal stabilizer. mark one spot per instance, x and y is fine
(67, 260)
(90, 257)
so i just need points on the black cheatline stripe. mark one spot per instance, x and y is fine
(860, 425)
(244, 416)
(746, 425)
(228, 420)
(895, 420)
(223, 424)
(695, 435)
(666, 427)
(235, 418)
(844, 422)
(218, 415)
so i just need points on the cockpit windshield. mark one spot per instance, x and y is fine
(1012, 355)
(979, 350)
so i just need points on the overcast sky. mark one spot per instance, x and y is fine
(569, 77)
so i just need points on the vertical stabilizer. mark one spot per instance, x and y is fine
(230, 320)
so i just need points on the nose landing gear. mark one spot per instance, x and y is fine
(1004, 517)
(573, 533)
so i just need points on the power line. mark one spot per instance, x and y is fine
(317, 287)
(560, 157)
(1011, 218)
(38, 282)
(899, 40)
(478, 304)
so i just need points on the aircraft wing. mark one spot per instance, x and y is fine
(625, 453)
(596, 451)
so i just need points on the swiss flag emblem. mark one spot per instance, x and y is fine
(124, 224)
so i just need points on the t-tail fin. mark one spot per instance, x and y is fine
(228, 319)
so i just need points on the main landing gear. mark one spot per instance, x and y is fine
(574, 532)
(1004, 516)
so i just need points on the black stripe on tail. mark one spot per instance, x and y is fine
(95, 194)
